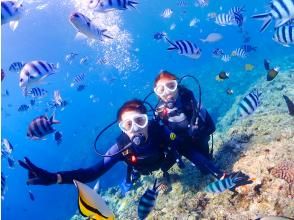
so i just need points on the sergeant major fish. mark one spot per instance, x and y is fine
(34, 72)
(108, 5)
(224, 19)
(147, 201)
(185, 48)
(281, 10)
(6, 148)
(40, 127)
(11, 12)
(16, 66)
(249, 103)
(284, 35)
(86, 27)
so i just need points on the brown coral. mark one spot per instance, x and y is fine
(284, 170)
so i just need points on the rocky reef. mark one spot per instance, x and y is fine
(261, 145)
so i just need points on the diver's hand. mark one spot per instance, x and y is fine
(36, 175)
(240, 179)
(125, 187)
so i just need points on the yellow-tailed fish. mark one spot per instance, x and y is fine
(92, 205)
(249, 67)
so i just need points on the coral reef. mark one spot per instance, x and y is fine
(260, 145)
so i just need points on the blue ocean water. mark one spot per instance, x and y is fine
(133, 59)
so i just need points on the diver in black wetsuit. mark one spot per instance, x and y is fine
(143, 145)
(182, 114)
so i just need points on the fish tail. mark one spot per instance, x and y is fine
(132, 4)
(173, 46)
(104, 35)
(266, 64)
(267, 17)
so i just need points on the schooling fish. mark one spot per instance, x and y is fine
(226, 58)
(6, 148)
(239, 52)
(23, 108)
(3, 184)
(147, 201)
(290, 105)
(284, 35)
(31, 195)
(70, 57)
(167, 13)
(218, 53)
(281, 10)
(230, 91)
(78, 79)
(249, 103)
(271, 72)
(248, 67)
(224, 19)
(81, 88)
(11, 162)
(86, 27)
(37, 93)
(230, 182)
(16, 66)
(11, 12)
(35, 71)
(159, 35)
(212, 37)
(92, 205)
(248, 48)
(40, 127)
(58, 137)
(185, 48)
(108, 5)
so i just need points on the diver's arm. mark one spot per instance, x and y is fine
(38, 176)
(93, 172)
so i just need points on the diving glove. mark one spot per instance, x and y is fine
(36, 175)
(125, 187)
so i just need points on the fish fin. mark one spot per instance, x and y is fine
(132, 4)
(173, 46)
(281, 22)
(266, 65)
(218, 79)
(80, 36)
(104, 35)
(53, 120)
(13, 25)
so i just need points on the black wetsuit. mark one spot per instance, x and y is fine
(146, 158)
(193, 144)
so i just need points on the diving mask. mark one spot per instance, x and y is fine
(138, 120)
(162, 88)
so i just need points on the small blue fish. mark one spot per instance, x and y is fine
(159, 35)
(31, 195)
(23, 108)
(58, 137)
(147, 201)
(248, 48)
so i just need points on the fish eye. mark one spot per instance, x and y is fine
(21, 80)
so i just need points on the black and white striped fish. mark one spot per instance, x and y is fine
(248, 48)
(11, 12)
(78, 79)
(249, 103)
(86, 27)
(238, 18)
(284, 35)
(239, 52)
(201, 3)
(37, 92)
(108, 5)
(226, 58)
(35, 71)
(3, 185)
(167, 13)
(84, 60)
(185, 48)
(281, 10)
(40, 127)
(236, 9)
(23, 108)
(224, 19)
(16, 66)
(147, 201)
(6, 148)
(70, 57)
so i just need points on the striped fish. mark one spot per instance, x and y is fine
(238, 10)
(284, 35)
(217, 53)
(249, 103)
(224, 19)
(35, 71)
(147, 201)
(16, 66)
(229, 182)
(167, 13)
(84, 60)
(201, 3)
(70, 57)
(281, 10)
(238, 18)
(185, 48)
(226, 58)
(239, 52)
(78, 79)
(23, 108)
(108, 5)
(11, 12)
(86, 27)
(6, 148)
(3, 185)
(40, 127)
(37, 92)
(248, 48)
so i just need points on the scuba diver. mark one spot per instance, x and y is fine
(182, 114)
(142, 145)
